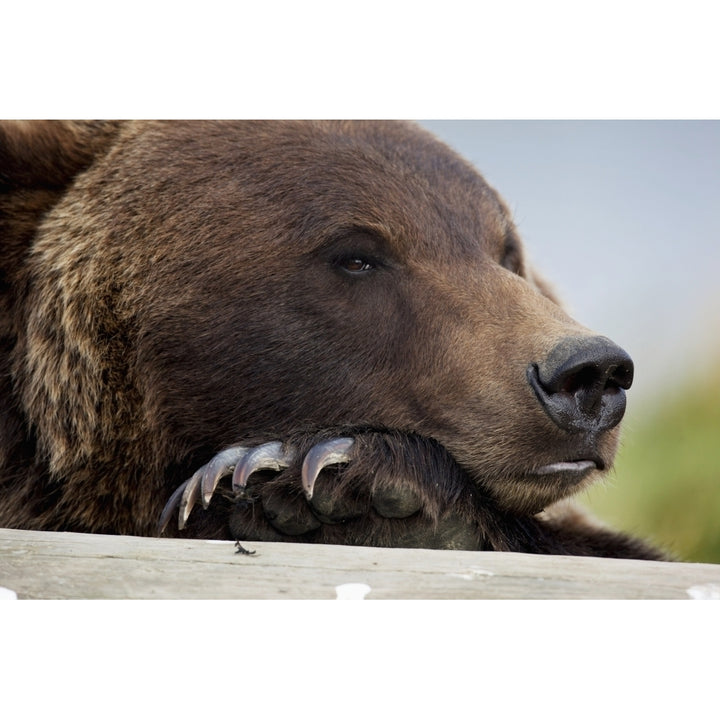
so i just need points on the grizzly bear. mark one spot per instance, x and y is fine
(288, 330)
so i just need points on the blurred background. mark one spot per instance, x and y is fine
(623, 217)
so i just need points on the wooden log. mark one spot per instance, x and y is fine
(73, 565)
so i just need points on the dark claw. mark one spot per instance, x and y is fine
(270, 456)
(243, 462)
(170, 507)
(201, 484)
(189, 497)
(222, 464)
(320, 456)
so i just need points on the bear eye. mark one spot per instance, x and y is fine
(354, 265)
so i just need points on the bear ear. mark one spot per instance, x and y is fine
(49, 153)
(38, 160)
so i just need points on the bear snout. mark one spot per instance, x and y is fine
(581, 383)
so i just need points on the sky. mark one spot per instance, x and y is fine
(623, 217)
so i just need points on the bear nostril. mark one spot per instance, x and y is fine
(581, 383)
(572, 382)
(622, 376)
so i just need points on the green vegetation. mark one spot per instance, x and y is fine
(666, 483)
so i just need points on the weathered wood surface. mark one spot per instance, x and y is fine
(71, 565)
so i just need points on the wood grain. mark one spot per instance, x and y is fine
(72, 565)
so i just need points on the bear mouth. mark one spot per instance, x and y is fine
(566, 476)
(570, 469)
(536, 489)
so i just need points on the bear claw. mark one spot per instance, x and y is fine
(222, 464)
(242, 462)
(269, 456)
(320, 456)
(169, 508)
(202, 483)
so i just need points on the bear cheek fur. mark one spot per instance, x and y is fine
(295, 347)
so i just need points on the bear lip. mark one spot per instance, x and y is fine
(575, 467)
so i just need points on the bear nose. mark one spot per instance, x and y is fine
(581, 383)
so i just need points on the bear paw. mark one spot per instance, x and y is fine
(371, 489)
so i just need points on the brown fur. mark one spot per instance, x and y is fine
(171, 288)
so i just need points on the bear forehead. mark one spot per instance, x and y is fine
(314, 180)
